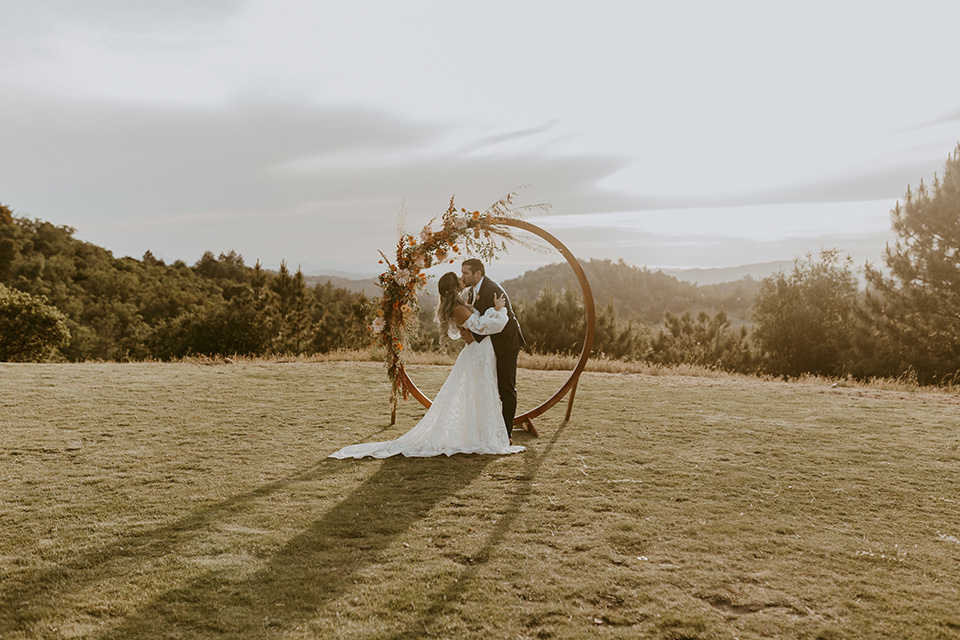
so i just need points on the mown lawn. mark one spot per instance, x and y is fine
(192, 501)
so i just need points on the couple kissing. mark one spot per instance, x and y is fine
(476, 406)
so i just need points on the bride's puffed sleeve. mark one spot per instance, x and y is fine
(492, 321)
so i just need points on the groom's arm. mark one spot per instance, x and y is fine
(484, 324)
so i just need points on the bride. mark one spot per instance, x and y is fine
(465, 417)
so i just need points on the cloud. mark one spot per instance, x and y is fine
(139, 161)
(133, 160)
(946, 118)
(40, 17)
(713, 250)
(269, 179)
(510, 136)
(880, 183)
(322, 183)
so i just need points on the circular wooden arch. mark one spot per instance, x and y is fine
(587, 340)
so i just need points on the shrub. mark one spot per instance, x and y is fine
(30, 329)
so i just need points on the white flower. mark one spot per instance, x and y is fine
(426, 233)
(418, 261)
(402, 277)
(462, 222)
(378, 325)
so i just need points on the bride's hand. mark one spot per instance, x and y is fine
(466, 335)
(499, 301)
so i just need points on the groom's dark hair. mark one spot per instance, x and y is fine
(475, 265)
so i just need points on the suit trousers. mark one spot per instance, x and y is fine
(507, 386)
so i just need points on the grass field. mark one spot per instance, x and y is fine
(196, 501)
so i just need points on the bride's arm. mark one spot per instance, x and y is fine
(461, 313)
(492, 321)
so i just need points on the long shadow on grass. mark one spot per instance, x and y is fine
(445, 601)
(31, 595)
(315, 566)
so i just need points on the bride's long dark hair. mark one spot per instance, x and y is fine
(449, 289)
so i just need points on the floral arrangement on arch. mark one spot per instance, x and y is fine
(457, 233)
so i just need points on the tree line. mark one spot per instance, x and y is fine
(815, 318)
(70, 299)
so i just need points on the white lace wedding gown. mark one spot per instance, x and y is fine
(465, 417)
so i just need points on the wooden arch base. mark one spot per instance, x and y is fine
(526, 419)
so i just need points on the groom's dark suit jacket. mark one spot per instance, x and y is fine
(511, 338)
(506, 345)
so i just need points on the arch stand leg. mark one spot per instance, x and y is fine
(527, 425)
(573, 393)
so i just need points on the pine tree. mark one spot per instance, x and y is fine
(803, 318)
(702, 339)
(555, 322)
(298, 320)
(916, 309)
(616, 339)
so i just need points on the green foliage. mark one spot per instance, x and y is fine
(292, 316)
(914, 309)
(124, 309)
(805, 318)
(220, 328)
(30, 329)
(615, 338)
(556, 323)
(8, 244)
(704, 340)
(339, 319)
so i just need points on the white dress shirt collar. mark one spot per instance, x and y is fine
(476, 289)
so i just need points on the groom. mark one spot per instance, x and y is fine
(480, 292)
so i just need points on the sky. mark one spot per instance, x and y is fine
(666, 134)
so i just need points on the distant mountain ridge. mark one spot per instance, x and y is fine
(367, 286)
(719, 275)
(635, 292)
(356, 282)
